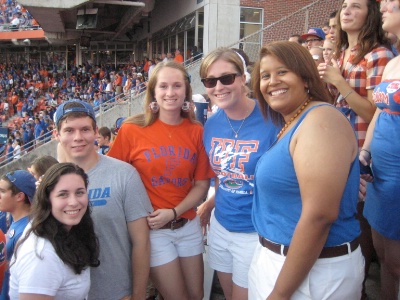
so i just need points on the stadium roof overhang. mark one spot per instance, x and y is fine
(65, 22)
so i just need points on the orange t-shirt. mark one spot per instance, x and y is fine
(178, 58)
(14, 99)
(118, 80)
(167, 165)
(19, 105)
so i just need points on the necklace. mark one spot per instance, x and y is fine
(236, 132)
(293, 118)
(167, 130)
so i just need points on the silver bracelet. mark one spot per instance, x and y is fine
(347, 95)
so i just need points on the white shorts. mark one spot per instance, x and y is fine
(330, 278)
(231, 252)
(167, 244)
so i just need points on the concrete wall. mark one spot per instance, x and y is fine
(221, 23)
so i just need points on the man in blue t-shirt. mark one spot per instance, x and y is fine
(17, 190)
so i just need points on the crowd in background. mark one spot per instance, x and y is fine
(29, 92)
(15, 17)
(326, 230)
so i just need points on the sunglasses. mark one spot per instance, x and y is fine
(312, 40)
(225, 80)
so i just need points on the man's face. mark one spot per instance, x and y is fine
(76, 137)
(332, 29)
(7, 200)
(314, 41)
(101, 140)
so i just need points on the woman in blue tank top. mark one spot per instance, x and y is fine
(382, 144)
(305, 210)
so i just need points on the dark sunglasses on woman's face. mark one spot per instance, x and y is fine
(225, 80)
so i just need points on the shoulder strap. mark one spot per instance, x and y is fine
(305, 114)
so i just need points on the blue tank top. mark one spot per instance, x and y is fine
(277, 202)
(387, 96)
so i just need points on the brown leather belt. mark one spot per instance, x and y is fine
(327, 252)
(175, 224)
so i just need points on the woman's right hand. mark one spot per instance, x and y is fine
(330, 72)
(204, 212)
(159, 218)
(365, 159)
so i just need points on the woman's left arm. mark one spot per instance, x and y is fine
(194, 197)
(322, 151)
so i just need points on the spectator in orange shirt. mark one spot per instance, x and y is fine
(19, 107)
(146, 65)
(14, 101)
(118, 83)
(178, 56)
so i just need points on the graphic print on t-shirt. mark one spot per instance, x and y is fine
(229, 158)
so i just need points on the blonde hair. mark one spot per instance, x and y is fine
(225, 54)
(148, 117)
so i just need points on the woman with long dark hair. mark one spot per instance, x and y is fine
(53, 257)
(382, 205)
(361, 53)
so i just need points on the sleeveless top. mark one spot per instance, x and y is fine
(382, 205)
(277, 201)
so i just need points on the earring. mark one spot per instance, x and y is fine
(154, 107)
(186, 106)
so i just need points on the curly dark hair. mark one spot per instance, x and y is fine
(78, 247)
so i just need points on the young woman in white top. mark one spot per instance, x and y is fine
(53, 257)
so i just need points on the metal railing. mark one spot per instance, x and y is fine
(120, 99)
(6, 27)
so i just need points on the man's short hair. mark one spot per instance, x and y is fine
(76, 109)
(105, 132)
(333, 14)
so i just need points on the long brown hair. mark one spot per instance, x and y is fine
(298, 60)
(148, 117)
(79, 247)
(370, 36)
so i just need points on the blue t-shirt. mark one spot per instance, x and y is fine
(38, 130)
(13, 234)
(234, 161)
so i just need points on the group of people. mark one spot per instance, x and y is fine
(283, 220)
(14, 17)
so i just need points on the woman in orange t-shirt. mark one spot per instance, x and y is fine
(165, 145)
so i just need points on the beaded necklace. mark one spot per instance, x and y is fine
(293, 118)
